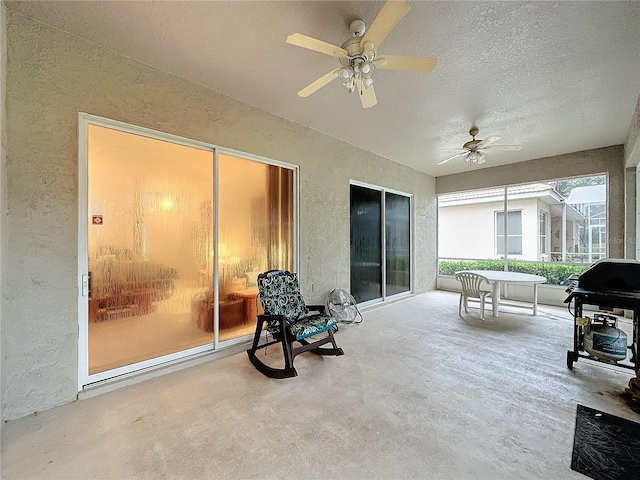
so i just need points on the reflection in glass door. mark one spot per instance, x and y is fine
(255, 234)
(366, 243)
(370, 250)
(150, 248)
(397, 209)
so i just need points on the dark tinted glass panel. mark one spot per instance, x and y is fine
(398, 254)
(366, 252)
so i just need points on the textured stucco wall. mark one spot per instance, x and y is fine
(608, 160)
(630, 203)
(632, 143)
(51, 77)
(632, 162)
(3, 190)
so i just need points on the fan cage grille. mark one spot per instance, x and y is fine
(343, 307)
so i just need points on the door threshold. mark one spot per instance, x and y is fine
(103, 386)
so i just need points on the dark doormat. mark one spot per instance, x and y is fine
(606, 447)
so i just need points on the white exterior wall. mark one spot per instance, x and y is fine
(51, 76)
(530, 228)
(469, 231)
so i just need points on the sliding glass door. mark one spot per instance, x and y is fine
(366, 243)
(397, 243)
(149, 237)
(173, 234)
(379, 253)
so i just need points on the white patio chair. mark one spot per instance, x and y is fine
(472, 288)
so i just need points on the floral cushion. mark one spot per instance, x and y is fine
(280, 295)
(312, 325)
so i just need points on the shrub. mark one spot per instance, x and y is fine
(556, 273)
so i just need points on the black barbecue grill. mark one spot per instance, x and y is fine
(608, 284)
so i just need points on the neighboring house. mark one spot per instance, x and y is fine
(471, 224)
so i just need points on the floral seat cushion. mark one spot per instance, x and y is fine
(280, 295)
(311, 325)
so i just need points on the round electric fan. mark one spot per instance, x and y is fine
(342, 306)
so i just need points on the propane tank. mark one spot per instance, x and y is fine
(604, 340)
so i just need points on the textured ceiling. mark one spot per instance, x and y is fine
(555, 77)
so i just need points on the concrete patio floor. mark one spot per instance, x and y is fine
(419, 393)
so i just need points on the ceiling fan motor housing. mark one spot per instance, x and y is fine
(472, 145)
(354, 49)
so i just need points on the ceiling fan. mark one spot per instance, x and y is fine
(474, 149)
(359, 55)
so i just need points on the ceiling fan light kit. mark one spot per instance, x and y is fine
(475, 158)
(359, 56)
(358, 72)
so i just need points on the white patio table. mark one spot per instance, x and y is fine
(496, 277)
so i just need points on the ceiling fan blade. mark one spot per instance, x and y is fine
(391, 13)
(505, 148)
(367, 95)
(451, 158)
(318, 84)
(316, 45)
(487, 141)
(406, 63)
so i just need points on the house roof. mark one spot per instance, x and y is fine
(555, 77)
(492, 194)
(540, 191)
(588, 194)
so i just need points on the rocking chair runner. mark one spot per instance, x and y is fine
(289, 320)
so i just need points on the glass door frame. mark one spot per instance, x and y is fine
(383, 245)
(84, 120)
